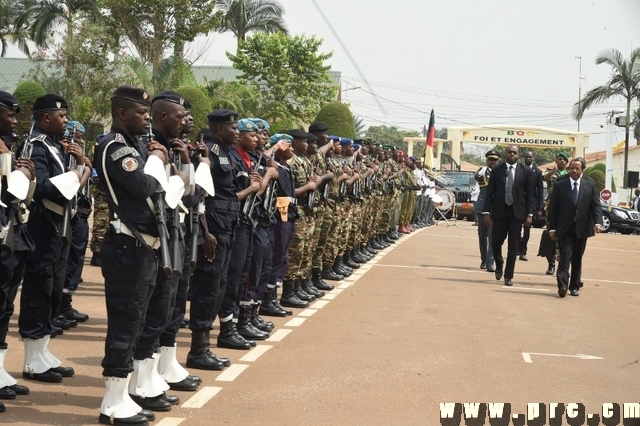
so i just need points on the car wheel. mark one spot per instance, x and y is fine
(606, 223)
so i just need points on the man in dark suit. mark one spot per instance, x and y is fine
(509, 202)
(537, 173)
(574, 216)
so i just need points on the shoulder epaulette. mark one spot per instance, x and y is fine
(41, 137)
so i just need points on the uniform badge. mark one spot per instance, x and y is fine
(145, 95)
(129, 164)
(224, 160)
(58, 104)
(216, 149)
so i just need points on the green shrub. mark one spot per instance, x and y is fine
(26, 93)
(598, 177)
(200, 107)
(339, 118)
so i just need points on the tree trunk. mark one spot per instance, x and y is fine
(626, 143)
(178, 47)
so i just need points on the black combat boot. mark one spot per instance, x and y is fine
(299, 291)
(207, 342)
(346, 259)
(67, 311)
(358, 257)
(329, 274)
(289, 298)
(258, 322)
(229, 337)
(309, 288)
(318, 282)
(247, 330)
(268, 307)
(199, 355)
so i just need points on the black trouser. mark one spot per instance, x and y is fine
(77, 249)
(159, 312)
(249, 288)
(208, 281)
(485, 239)
(168, 336)
(11, 273)
(43, 279)
(282, 234)
(238, 271)
(266, 265)
(571, 252)
(509, 226)
(129, 270)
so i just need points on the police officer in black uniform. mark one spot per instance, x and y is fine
(49, 215)
(129, 249)
(14, 252)
(209, 279)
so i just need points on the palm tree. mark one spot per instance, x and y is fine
(11, 29)
(46, 15)
(359, 124)
(636, 125)
(245, 16)
(624, 82)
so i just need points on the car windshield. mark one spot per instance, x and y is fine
(460, 179)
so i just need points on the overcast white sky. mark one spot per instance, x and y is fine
(476, 62)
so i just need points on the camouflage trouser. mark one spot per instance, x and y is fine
(385, 214)
(324, 222)
(335, 213)
(408, 206)
(345, 226)
(369, 217)
(395, 212)
(355, 235)
(300, 247)
(100, 219)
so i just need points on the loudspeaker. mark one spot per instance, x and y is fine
(632, 179)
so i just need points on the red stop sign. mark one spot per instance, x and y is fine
(605, 194)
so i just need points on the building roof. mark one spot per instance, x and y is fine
(12, 70)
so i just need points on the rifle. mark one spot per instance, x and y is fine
(174, 230)
(195, 224)
(66, 217)
(269, 202)
(250, 203)
(7, 232)
(161, 221)
(311, 196)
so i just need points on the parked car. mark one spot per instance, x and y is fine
(620, 219)
(461, 184)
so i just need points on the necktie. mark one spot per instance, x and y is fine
(575, 193)
(508, 198)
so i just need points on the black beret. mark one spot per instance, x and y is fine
(187, 104)
(8, 101)
(318, 126)
(298, 134)
(133, 94)
(168, 96)
(206, 135)
(222, 116)
(49, 102)
(492, 154)
(311, 138)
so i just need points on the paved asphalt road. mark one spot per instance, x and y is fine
(419, 326)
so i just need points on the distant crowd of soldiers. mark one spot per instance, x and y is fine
(219, 219)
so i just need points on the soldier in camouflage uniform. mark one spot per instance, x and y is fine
(409, 185)
(326, 207)
(300, 248)
(551, 176)
(100, 221)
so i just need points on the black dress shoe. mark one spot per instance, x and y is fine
(150, 415)
(508, 282)
(7, 393)
(225, 362)
(490, 268)
(574, 292)
(64, 371)
(562, 292)
(138, 419)
(171, 399)
(184, 385)
(61, 322)
(48, 376)
(197, 380)
(73, 314)
(154, 403)
(19, 389)
(551, 270)
(96, 260)
(523, 257)
(498, 272)
(483, 266)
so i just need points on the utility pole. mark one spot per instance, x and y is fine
(609, 159)
(580, 78)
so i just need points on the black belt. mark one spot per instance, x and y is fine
(226, 205)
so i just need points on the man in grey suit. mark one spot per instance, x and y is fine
(574, 216)
(509, 202)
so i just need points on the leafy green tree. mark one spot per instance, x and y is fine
(599, 178)
(390, 135)
(235, 96)
(242, 17)
(12, 29)
(171, 73)
(200, 106)
(636, 125)
(91, 77)
(624, 82)
(26, 93)
(358, 122)
(602, 168)
(339, 118)
(287, 73)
